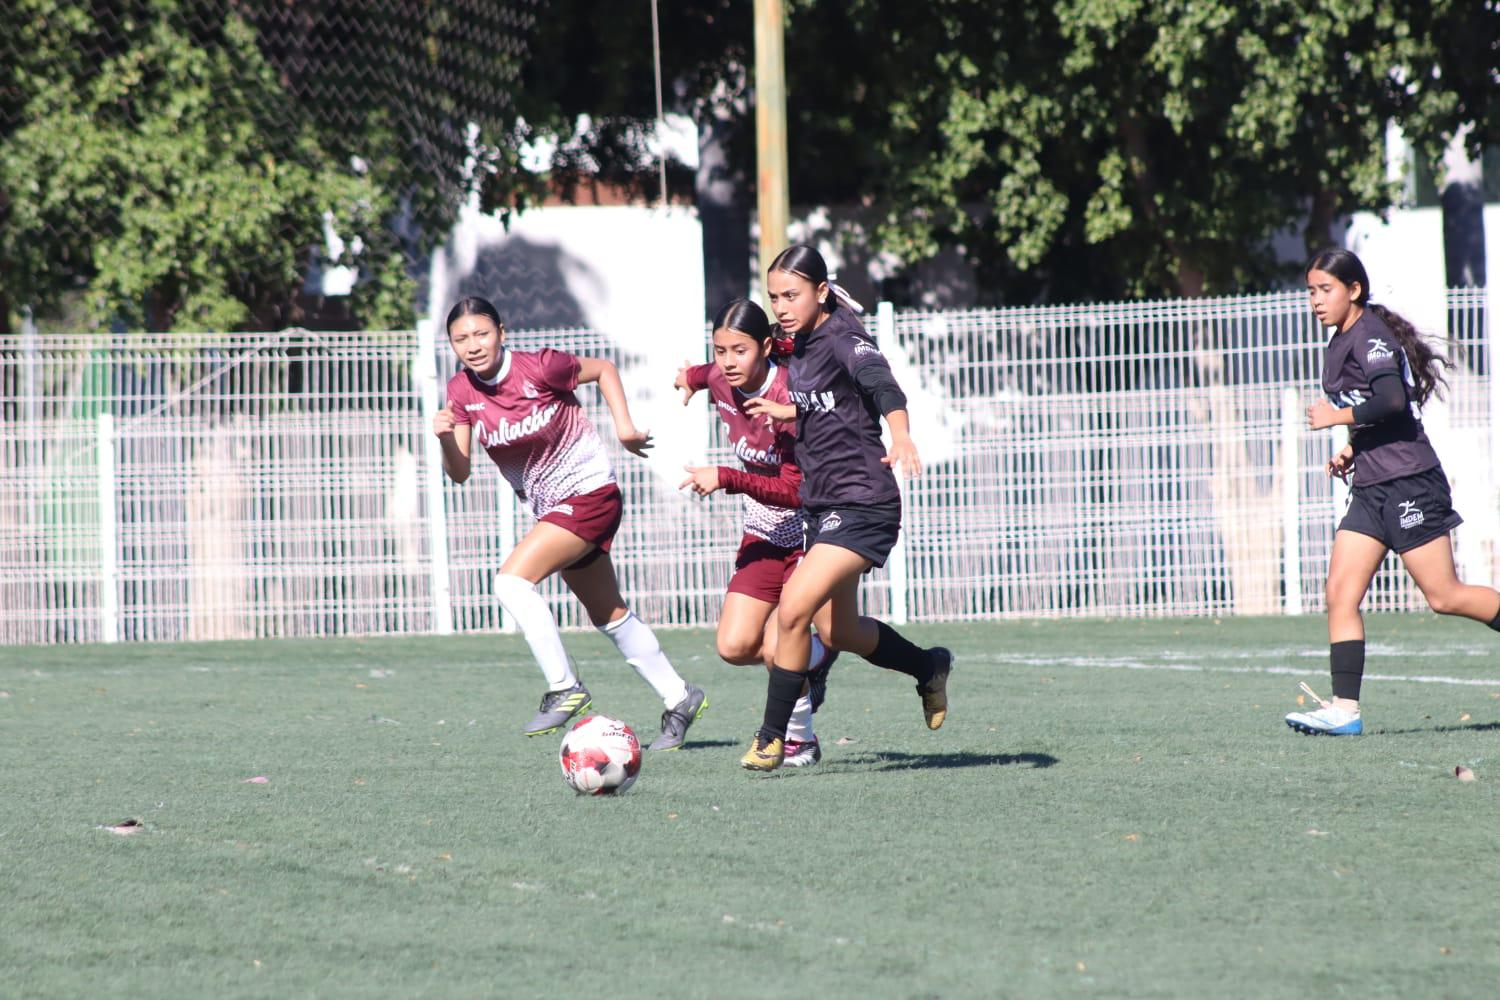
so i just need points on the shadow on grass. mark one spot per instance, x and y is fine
(1472, 727)
(708, 744)
(943, 761)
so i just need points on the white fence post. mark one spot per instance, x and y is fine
(425, 371)
(507, 542)
(109, 533)
(1291, 499)
(896, 564)
(1492, 367)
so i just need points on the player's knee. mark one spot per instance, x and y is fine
(1342, 596)
(1442, 600)
(513, 592)
(738, 650)
(790, 619)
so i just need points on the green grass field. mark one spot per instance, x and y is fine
(1113, 809)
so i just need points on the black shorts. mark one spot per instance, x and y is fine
(870, 531)
(1403, 513)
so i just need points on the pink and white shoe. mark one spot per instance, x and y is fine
(802, 754)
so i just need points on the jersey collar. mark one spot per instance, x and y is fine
(500, 375)
(770, 377)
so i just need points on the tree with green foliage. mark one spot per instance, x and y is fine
(171, 163)
(1089, 148)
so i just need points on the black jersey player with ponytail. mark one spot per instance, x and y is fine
(841, 387)
(1377, 371)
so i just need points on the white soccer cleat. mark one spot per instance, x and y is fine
(1328, 720)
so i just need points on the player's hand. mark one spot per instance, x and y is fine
(1321, 415)
(444, 420)
(1342, 464)
(681, 382)
(760, 406)
(702, 480)
(637, 442)
(903, 456)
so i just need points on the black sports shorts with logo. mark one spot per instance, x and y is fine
(1405, 512)
(869, 530)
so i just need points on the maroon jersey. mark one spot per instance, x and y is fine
(1396, 446)
(770, 480)
(533, 427)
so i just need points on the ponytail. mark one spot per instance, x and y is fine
(1427, 365)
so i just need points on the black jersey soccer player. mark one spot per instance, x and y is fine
(1377, 371)
(841, 386)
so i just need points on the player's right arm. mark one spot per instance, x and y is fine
(455, 436)
(690, 379)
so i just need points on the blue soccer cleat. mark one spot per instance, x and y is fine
(1328, 720)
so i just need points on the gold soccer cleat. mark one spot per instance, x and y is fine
(763, 755)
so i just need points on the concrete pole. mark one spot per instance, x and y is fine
(770, 131)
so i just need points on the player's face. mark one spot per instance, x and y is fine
(795, 301)
(1332, 300)
(476, 340)
(740, 358)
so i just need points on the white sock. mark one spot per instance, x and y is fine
(637, 643)
(521, 601)
(799, 728)
(819, 651)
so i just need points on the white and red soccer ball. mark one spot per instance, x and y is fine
(600, 756)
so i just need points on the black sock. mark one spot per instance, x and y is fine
(783, 688)
(1495, 622)
(1347, 660)
(893, 652)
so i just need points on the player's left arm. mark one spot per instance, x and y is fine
(636, 441)
(872, 376)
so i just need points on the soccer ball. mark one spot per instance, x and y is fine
(600, 756)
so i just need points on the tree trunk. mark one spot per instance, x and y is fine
(722, 211)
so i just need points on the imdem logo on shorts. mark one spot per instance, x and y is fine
(1411, 514)
(830, 522)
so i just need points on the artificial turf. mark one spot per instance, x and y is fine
(1112, 809)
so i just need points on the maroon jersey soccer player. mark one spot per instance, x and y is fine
(742, 375)
(521, 408)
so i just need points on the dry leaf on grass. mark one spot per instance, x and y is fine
(125, 827)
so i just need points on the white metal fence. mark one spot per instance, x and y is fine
(1126, 459)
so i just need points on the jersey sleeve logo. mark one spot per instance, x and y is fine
(1379, 350)
(473, 407)
(863, 347)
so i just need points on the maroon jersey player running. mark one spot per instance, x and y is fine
(743, 371)
(521, 408)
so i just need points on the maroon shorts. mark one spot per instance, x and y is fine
(592, 516)
(760, 569)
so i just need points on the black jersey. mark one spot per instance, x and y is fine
(1396, 446)
(838, 428)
